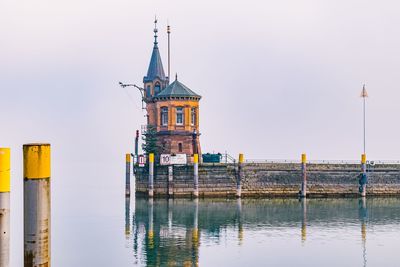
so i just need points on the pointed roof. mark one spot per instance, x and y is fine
(177, 89)
(156, 69)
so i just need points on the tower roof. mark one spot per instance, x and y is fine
(177, 89)
(156, 69)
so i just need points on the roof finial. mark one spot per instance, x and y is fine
(176, 76)
(155, 31)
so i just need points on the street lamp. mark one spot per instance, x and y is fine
(123, 85)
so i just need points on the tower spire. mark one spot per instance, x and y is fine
(155, 31)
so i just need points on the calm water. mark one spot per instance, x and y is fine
(94, 225)
(261, 232)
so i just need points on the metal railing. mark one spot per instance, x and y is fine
(369, 162)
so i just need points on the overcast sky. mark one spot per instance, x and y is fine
(278, 78)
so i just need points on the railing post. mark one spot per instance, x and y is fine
(363, 178)
(4, 207)
(37, 205)
(196, 175)
(240, 176)
(128, 175)
(151, 175)
(303, 192)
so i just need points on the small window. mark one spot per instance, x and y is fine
(193, 116)
(164, 116)
(179, 116)
(157, 88)
(148, 91)
(180, 147)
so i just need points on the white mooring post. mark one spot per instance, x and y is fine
(37, 231)
(4, 207)
(363, 184)
(196, 174)
(239, 176)
(128, 175)
(151, 175)
(303, 192)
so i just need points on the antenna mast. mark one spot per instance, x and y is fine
(169, 62)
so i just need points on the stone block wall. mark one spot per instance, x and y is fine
(271, 180)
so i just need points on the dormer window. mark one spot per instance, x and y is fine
(179, 116)
(164, 116)
(157, 88)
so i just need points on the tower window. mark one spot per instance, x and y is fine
(148, 91)
(179, 116)
(193, 116)
(164, 116)
(180, 147)
(157, 88)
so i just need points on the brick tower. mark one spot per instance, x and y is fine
(172, 109)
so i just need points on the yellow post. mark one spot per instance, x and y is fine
(196, 174)
(363, 179)
(37, 205)
(5, 207)
(151, 175)
(240, 176)
(303, 191)
(128, 175)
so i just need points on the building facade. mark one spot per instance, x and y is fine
(172, 109)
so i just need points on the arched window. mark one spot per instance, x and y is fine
(164, 116)
(180, 149)
(193, 116)
(148, 91)
(157, 88)
(179, 116)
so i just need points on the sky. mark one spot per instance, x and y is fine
(278, 78)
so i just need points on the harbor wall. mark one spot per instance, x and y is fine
(271, 180)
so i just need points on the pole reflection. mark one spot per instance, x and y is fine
(363, 217)
(303, 220)
(239, 218)
(127, 219)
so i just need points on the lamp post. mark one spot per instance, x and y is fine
(364, 95)
(363, 178)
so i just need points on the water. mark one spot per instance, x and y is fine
(263, 232)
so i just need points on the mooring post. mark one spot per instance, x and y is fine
(4, 207)
(240, 176)
(151, 175)
(170, 180)
(128, 175)
(196, 174)
(303, 192)
(37, 205)
(363, 178)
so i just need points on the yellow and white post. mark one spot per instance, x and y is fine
(37, 230)
(240, 176)
(151, 175)
(363, 190)
(303, 192)
(128, 175)
(196, 175)
(4, 207)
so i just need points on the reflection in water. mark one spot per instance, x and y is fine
(240, 224)
(303, 201)
(127, 218)
(363, 214)
(176, 232)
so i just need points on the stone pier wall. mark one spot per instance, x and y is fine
(272, 180)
